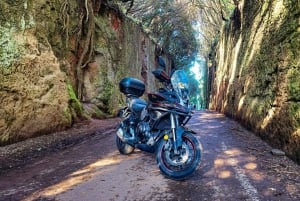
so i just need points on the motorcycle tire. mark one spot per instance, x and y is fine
(179, 166)
(123, 147)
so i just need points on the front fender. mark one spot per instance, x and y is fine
(179, 132)
(189, 130)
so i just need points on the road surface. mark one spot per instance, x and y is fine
(236, 165)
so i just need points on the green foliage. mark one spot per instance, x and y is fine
(170, 25)
(182, 28)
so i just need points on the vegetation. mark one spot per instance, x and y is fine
(175, 24)
(9, 49)
(74, 102)
(183, 29)
(170, 26)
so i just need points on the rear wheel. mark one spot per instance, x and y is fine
(123, 147)
(179, 166)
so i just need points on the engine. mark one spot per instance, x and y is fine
(143, 131)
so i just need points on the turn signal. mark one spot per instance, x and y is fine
(166, 137)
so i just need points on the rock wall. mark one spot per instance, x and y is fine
(33, 92)
(121, 49)
(38, 55)
(256, 71)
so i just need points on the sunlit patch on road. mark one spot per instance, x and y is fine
(101, 166)
(240, 175)
(251, 166)
(225, 174)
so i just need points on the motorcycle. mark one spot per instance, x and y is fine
(158, 126)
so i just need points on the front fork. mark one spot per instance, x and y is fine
(177, 132)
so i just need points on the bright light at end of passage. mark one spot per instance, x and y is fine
(196, 70)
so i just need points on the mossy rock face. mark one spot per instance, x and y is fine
(33, 90)
(258, 74)
(121, 49)
(34, 96)
(294, 84)
(38, 66)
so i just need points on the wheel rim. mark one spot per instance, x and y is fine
(181, 161)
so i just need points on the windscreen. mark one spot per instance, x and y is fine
(180, 84)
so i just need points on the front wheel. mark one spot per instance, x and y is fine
(123, 147)
(179, 166)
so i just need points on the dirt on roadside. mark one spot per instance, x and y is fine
(19, 154)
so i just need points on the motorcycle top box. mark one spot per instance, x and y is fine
(132, 86)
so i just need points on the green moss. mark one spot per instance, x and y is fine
(110, 98)
(120, 74)
(107, 94)
(10, 50)
(68, 114)
(99, 113)
(295, 112)
(4, 138)
(294, 85)
(74, 102)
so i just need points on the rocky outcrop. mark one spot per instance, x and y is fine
(33, 92)
(39, 49)
(257, 71)
(121, 49)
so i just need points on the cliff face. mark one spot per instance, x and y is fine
(256, 76)
(40, 46)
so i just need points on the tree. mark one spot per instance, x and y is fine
(211, 17)
(169, 24)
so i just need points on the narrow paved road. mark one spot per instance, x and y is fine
(236, 165)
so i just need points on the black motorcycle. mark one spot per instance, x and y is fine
(158, 125)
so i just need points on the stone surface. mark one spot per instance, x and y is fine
(34, 97)
(256, 68)
(40, 45)
(277, 152)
